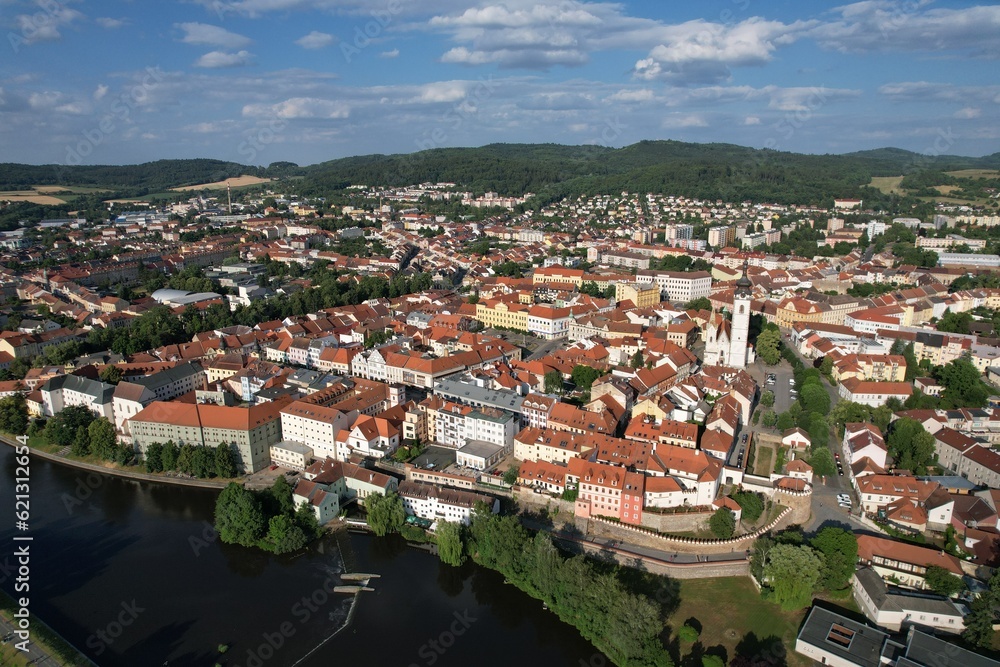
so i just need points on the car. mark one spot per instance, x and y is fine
(836, 456)
(843, 497)
(846, 506)
(744, 437)
(274, 467)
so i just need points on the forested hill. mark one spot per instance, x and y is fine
(156, 176)
(710, 171)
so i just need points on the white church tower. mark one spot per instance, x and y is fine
(740, 353)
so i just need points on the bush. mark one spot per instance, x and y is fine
(687, 633)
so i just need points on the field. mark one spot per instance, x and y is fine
(33, 196)
(764, 462)
(222, 185)
(734, 620)
(887, 184)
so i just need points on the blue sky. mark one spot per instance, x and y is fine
(258, 81)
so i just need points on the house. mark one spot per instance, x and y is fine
(903, 563)
(435, 503)
(315, 426)
(863, 440)
(796, 439)
(543, 475)
(63, 391)
(291, 455)
(606, 490)
(874, 394)
(535, 444)
(324, 504)
(895, 610)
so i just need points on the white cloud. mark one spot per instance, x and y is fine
(751, 120)
(678, 120)
(211, 35)
(299, 108)
(220, 59)
(969, 113)
(441, 91)
(389, 54)
(795, 98)
(109, 23)
(891, 25)
(100, 92)
(43, 25)
(315, 40)
(703, 52)
(927, 91)
(634, 95)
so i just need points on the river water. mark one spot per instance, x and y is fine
(132, 575)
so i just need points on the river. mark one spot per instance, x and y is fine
(132, 575)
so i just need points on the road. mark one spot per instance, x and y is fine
(34, 655)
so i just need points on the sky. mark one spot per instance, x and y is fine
(260, 81)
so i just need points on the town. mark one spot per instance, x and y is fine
(802, 395)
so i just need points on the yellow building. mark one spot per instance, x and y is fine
(502, 314)
(643, 296)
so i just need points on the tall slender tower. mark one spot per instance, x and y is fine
(739, 351)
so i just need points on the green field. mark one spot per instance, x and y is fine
(735, 620)
(887, 184)
(974, 173)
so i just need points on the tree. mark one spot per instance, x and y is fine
(185, 459)
(701, 303)
(688, 634)
(61, 429)
(814, 399)
(510, 475)
(840, 556)
(584, 376)
(723, 523)
(449, 541)
(13, 414)
(170, 452)
(751, 503)
(943, 582)
(822, 462)
(636, 361)
(769, 419)
(979, 621)
(385, 513)
(103, 439)
(281, 494)
(283, 535)
(819, 430)
(154, 457)
(238, 516)
(767, 398)
(785, 421)
(826, 366)
(768, 346)
(911, 445)
(963, 385)
(111, 374)
(225, 462)
(793, 572)
(709, 660)
(306, 519)
(81, 442)
(203, 462)
(553, 382)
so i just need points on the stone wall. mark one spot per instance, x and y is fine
(734, 568)
(684, 522)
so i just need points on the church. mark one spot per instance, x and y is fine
(726, 341)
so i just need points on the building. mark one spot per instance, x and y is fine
(903, 563)
(435, 503)
(291, 455)
(678, 286)
(313, 426)
(830, 638)
(606, 490)
(726, 342)
(641, 295)
(250, 432)
(63, 391)
(895, 610)
(873, 394)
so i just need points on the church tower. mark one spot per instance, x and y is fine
(739, 351)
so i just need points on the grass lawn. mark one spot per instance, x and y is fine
(735, 620)
(887, 184)
(764, 464)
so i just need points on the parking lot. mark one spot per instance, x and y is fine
(781, 388)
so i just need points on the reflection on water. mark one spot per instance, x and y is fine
(102, 542)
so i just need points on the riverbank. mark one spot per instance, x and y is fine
(46, 647)
(118, 472)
